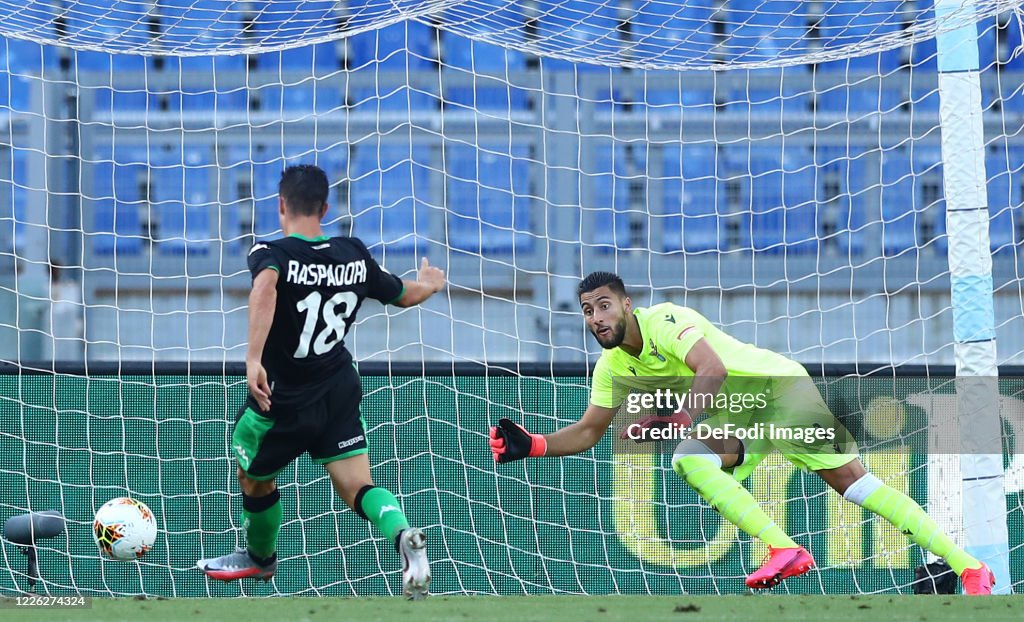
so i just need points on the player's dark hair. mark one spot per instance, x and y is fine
(599, 279)
(304, 189)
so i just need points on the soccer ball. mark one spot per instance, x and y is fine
(124, 529)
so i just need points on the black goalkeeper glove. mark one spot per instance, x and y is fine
(510, 441)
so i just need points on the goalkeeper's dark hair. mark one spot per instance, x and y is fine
(304, 189)
(599, 279)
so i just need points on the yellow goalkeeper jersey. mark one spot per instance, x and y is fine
(669, 331)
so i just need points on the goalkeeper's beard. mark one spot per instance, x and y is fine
(613, 340)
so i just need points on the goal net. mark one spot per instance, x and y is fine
(776, 165)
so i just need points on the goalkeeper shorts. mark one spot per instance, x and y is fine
(323, 420)
(798, 423)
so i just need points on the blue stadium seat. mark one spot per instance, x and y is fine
(839, 191)
(334, 162)
(388, 190)
(604, 196)
(393, 51)
(488, 65)
(859, 98)
(912, 201)
(785, 98)
(15, 93)
(924, 92)
(847, 22)
(405, 46)
(778, 191)
(478, 57)
(286, 21)
(26, 58)
(664, 30)
(201, 25)
(1015, 42)
(202, 101)
(296, 101)
(181, 199)
(488, 199)
(107, 22)
(266, 167)
(763, 30)
(899, 221)
(584, 28)
(1005, 197)
(115, 198)
(690, 190)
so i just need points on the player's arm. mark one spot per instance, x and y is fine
(510, 441)
(709, 374)
(429, 281)
(262, 303)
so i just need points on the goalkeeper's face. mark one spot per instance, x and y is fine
(605, 313)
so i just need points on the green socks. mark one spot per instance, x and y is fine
(261, 518)
(729, 498)
(906, 515)
(381, 508)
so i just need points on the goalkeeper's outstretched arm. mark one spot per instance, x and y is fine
(510, 441)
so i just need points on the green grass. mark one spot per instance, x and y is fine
(560, 608)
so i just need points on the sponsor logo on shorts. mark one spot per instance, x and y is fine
(350, 442)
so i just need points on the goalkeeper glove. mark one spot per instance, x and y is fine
(510, 441)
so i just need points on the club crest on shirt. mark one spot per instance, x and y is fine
(655, 353)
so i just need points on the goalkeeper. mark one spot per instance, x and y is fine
(304, 391)
(668, 340)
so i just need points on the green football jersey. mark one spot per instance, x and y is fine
(669, 331)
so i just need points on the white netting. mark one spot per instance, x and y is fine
(699, 34)
(796, 200)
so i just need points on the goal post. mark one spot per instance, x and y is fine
(839, 182)
(970, 262)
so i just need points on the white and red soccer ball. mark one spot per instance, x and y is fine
(124, 529)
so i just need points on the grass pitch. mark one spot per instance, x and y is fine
(541, 608)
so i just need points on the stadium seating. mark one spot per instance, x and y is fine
(335, 163)
(116, 197)
(107, 23)
(262, 168)
(392, 52)
(913, 209)
(783, 213)
(863, 97)
(782, 98)
(388, 191)
(839, 186)
(1005, 197)
(658, 26)
(849, 22)
(489, 66)
(582, 29)
(488, 198)
(690, 190)
(762, 30)
(286, 21)
(181, 199)
(607, 200)
(200, 25)
(297, 101)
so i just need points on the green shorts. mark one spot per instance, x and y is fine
(797, 423)
(323, 420)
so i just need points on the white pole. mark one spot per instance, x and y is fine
(970, 264)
